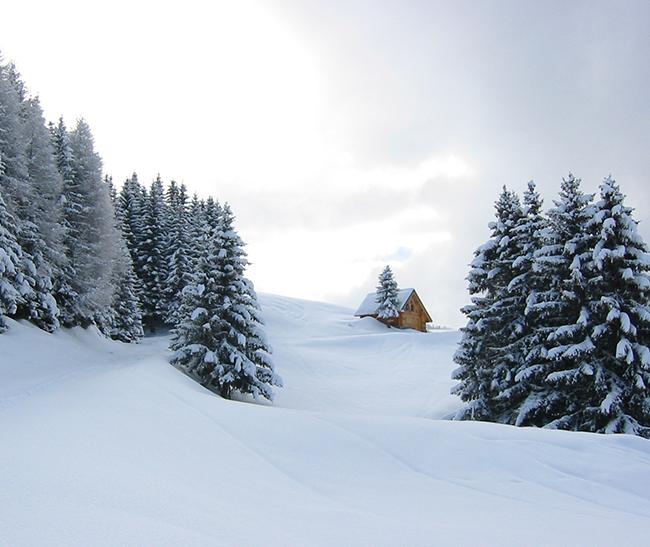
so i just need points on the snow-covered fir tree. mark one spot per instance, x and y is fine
(387, 298)
(129, 208)
(197, 229)
(150, 264)
(608, 389)
(63, 290)
(126, 314)
(558, 309)
(42, 233)
(178, 251)
(220, 338)
(12, 280)
(486, 354)
(92, 240)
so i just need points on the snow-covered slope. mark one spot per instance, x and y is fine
(105, 444)
(333, 361)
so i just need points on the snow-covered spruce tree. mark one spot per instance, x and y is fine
(12, 283)
(42, 233)
(489, 350)
(613, 382)
(212, 212)
(197, 229)
(178, 251)
(92, 240)
(126, 315)
(220, 339)
(150, 264)
(522, 292)
(63, 282)
(129, 206)
(12, 280)
(387, 295)
(559, 348)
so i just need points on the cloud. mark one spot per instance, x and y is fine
(342, 132)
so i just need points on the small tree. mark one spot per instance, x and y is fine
(387, 295)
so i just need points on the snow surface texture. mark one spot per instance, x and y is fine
(106, 444)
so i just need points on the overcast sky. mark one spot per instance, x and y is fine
(351, 134)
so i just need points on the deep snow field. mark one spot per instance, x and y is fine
(106, 444)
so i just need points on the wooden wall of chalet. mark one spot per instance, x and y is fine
(413, 315)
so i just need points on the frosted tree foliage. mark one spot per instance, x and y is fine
(74, 252)
(126, 313)
(151, 261)
(92, 242)
(220, 339)
(387, 295)
(178, 249)
(30, 188)
(578, 356)
(12, 280)
(63, 259)
(488, 349)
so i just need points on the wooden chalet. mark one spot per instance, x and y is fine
(412, 313)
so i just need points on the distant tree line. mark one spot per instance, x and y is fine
(558, 331)
(76, 252)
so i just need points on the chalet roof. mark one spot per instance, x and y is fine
(369, 306)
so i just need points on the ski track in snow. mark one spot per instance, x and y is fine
(106, 444)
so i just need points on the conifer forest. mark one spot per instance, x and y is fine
(75, 251)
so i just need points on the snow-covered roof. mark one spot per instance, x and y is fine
(369, 306)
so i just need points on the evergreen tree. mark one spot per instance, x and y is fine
(220, 339)
(150, 265)
(12, 281)
(64, 290)
(522, 336)
(610, 391)
(126, 316)
(211, 214)
(178, 246)
(387, 295)
(130, 215)
(197, 229)
(561, 343)
(496, 323)
(92, 240)
(17, 268)
(41, 236)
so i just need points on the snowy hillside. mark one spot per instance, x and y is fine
(105, 444)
